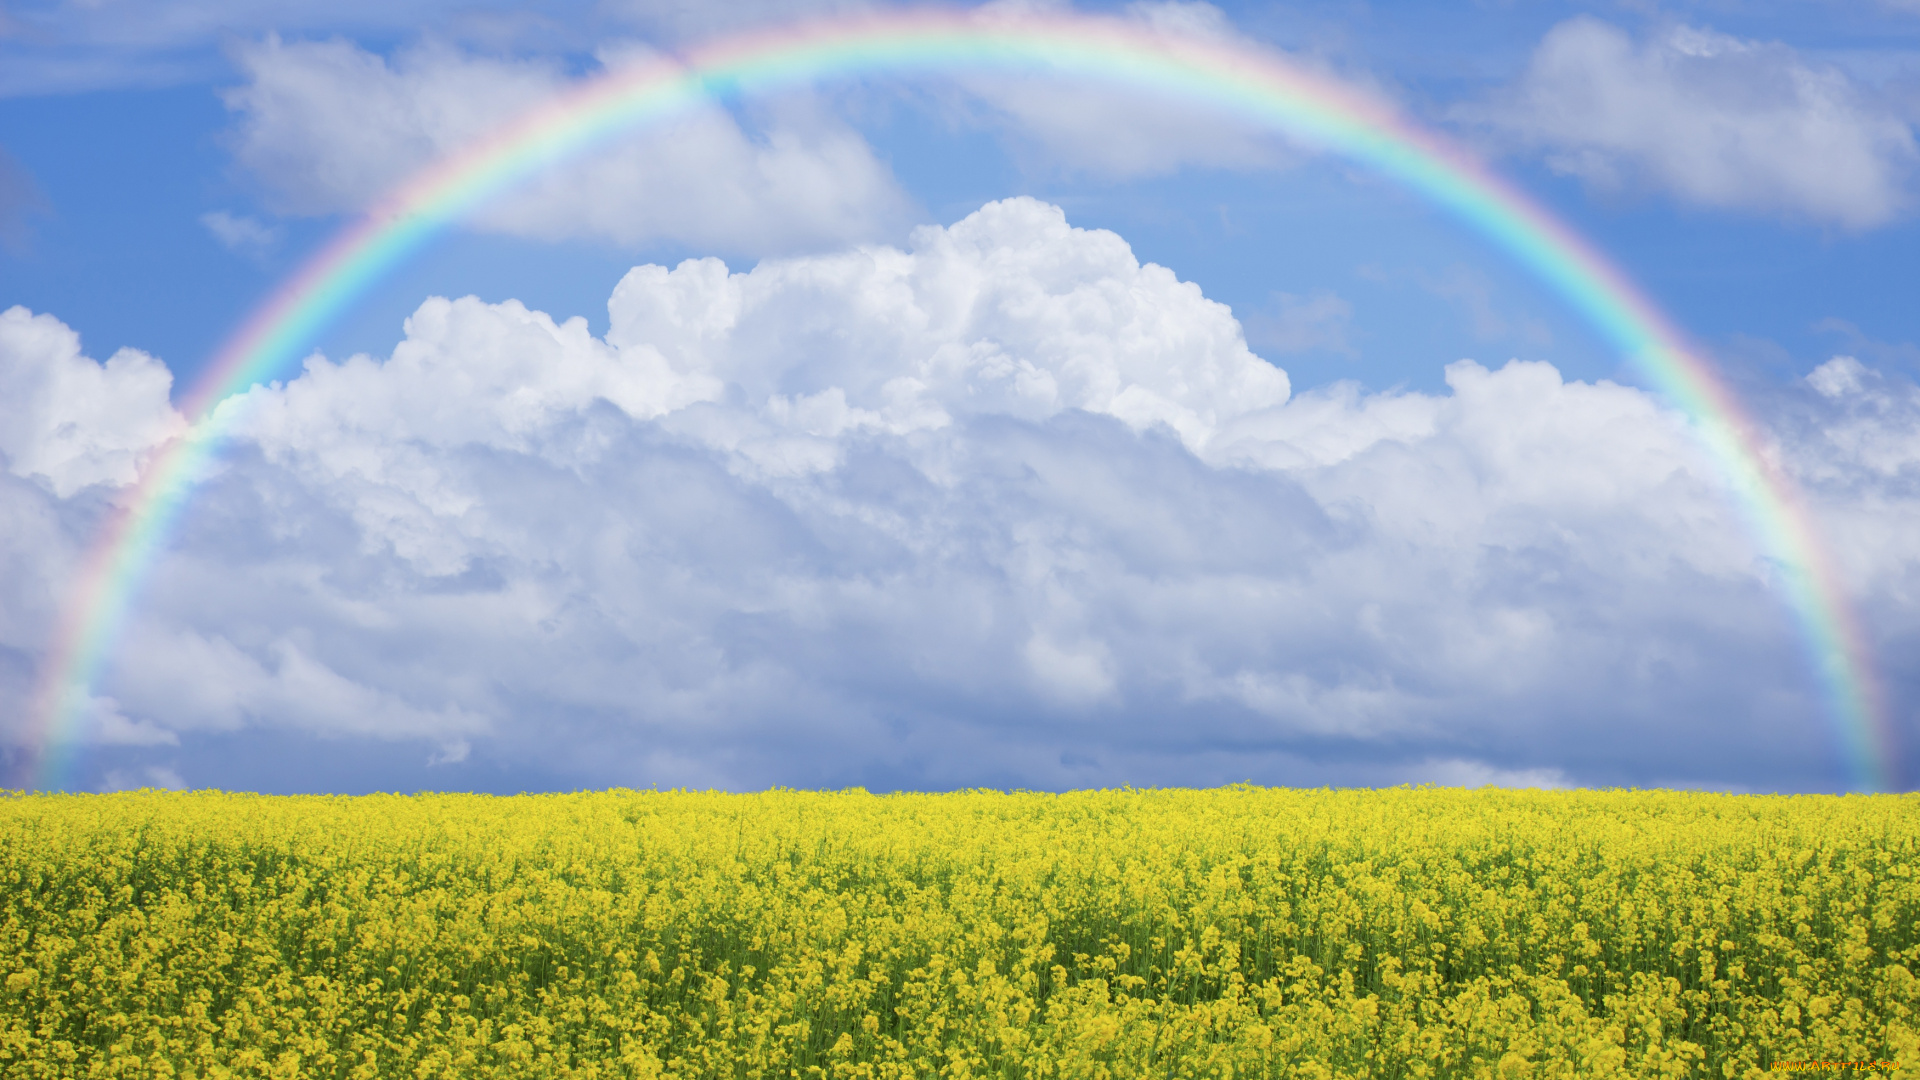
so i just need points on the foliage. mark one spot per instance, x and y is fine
(1234, 932)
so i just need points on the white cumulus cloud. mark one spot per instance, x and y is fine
(1716, 120)
(72, 421)
(73, 433)
(1004, 506)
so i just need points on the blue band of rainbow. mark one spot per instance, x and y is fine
(1250, 83)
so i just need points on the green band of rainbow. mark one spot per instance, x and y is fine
(1252, 84)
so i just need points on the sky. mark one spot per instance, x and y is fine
(934, 431)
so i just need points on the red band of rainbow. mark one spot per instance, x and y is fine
(1253, 84)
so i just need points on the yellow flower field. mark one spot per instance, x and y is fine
(1236, 932)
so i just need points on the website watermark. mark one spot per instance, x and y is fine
(1835, 1066)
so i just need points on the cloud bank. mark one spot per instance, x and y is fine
(1003, 507)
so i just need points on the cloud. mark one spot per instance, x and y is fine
(239, 233)
(62, 46)
(1716, 120)
(1076, 124)
(1319, 320)
(152, 776)
(20, 201)
(57, 46)
(1886, 354)
(1473, 297)
(1474, 774)
(679, 20)
(1003, 506)
(1862, 429)
(328, 127)
(73, 431)
(1854, 446)
(102, 723)
(70, 421)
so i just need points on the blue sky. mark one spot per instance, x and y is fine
(1456, 542)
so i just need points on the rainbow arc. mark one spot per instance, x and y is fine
(1247, 82)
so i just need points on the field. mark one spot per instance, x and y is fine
(1241, 932)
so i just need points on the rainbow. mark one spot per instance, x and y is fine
(1255, 85)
